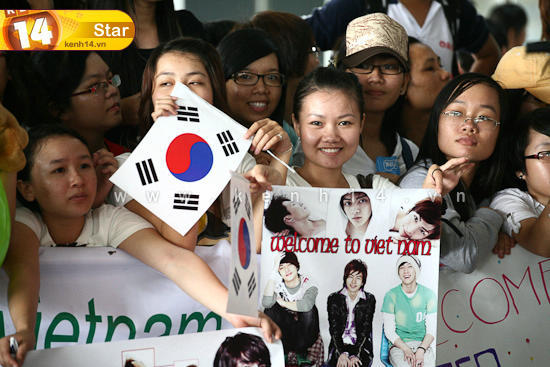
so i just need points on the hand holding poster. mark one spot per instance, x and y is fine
(243, 289)
(183, 163)
(346, 274)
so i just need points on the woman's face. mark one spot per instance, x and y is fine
(458, 138)
(414, 227)
(329, 125)
(250, 103)
(380, 91)
(288, 272)
(354, 281)
(427, 77)
(185, 68)
(99, 111)
(62, 178)
(537, 172)
(357, 207)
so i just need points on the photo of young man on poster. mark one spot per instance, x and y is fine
(289, 299)
(285, 217)
(419, 222)
(410, 318)
(350, 314)
(242, 349)
(358, 211)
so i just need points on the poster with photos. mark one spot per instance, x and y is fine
(231, 347)
(347, 274)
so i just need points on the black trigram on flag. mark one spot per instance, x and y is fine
(190, 114)
(251, 285)
(236, 281)
(146, 172)
(186, 201)
(228, 144)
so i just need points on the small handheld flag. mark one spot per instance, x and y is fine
(187, 158)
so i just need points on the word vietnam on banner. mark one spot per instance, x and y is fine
(183, 163)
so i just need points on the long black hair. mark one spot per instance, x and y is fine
(489, 174)
(537, 120)
(242, 348)
(56, 76)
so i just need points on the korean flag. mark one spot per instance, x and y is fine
(243, 281)
(183, 163)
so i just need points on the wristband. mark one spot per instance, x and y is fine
(421, 347)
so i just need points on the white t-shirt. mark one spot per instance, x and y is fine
(435, 32)
(378, 182)
(360, 162)
(105, 226)
(515, 206)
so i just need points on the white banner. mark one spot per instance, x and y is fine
(499, 315)
(175, 351)
(102, 294)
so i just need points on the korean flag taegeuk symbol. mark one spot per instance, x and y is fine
(189, 157)
(244, 244)
(181, 166)
(243, 290)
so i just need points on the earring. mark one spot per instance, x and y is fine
(521, 176)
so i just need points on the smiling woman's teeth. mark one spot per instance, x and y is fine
(330, 150)
(257, 104)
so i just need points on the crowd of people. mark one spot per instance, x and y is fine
(418, 96)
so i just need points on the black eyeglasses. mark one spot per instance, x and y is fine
(249, 78)
(387, 69)
(541, 156)
(101, 87)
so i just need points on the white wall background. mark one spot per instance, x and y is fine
(531, 7)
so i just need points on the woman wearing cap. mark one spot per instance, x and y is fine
(350, 313)
(376, 52)
(289, 299)
(412, 334)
